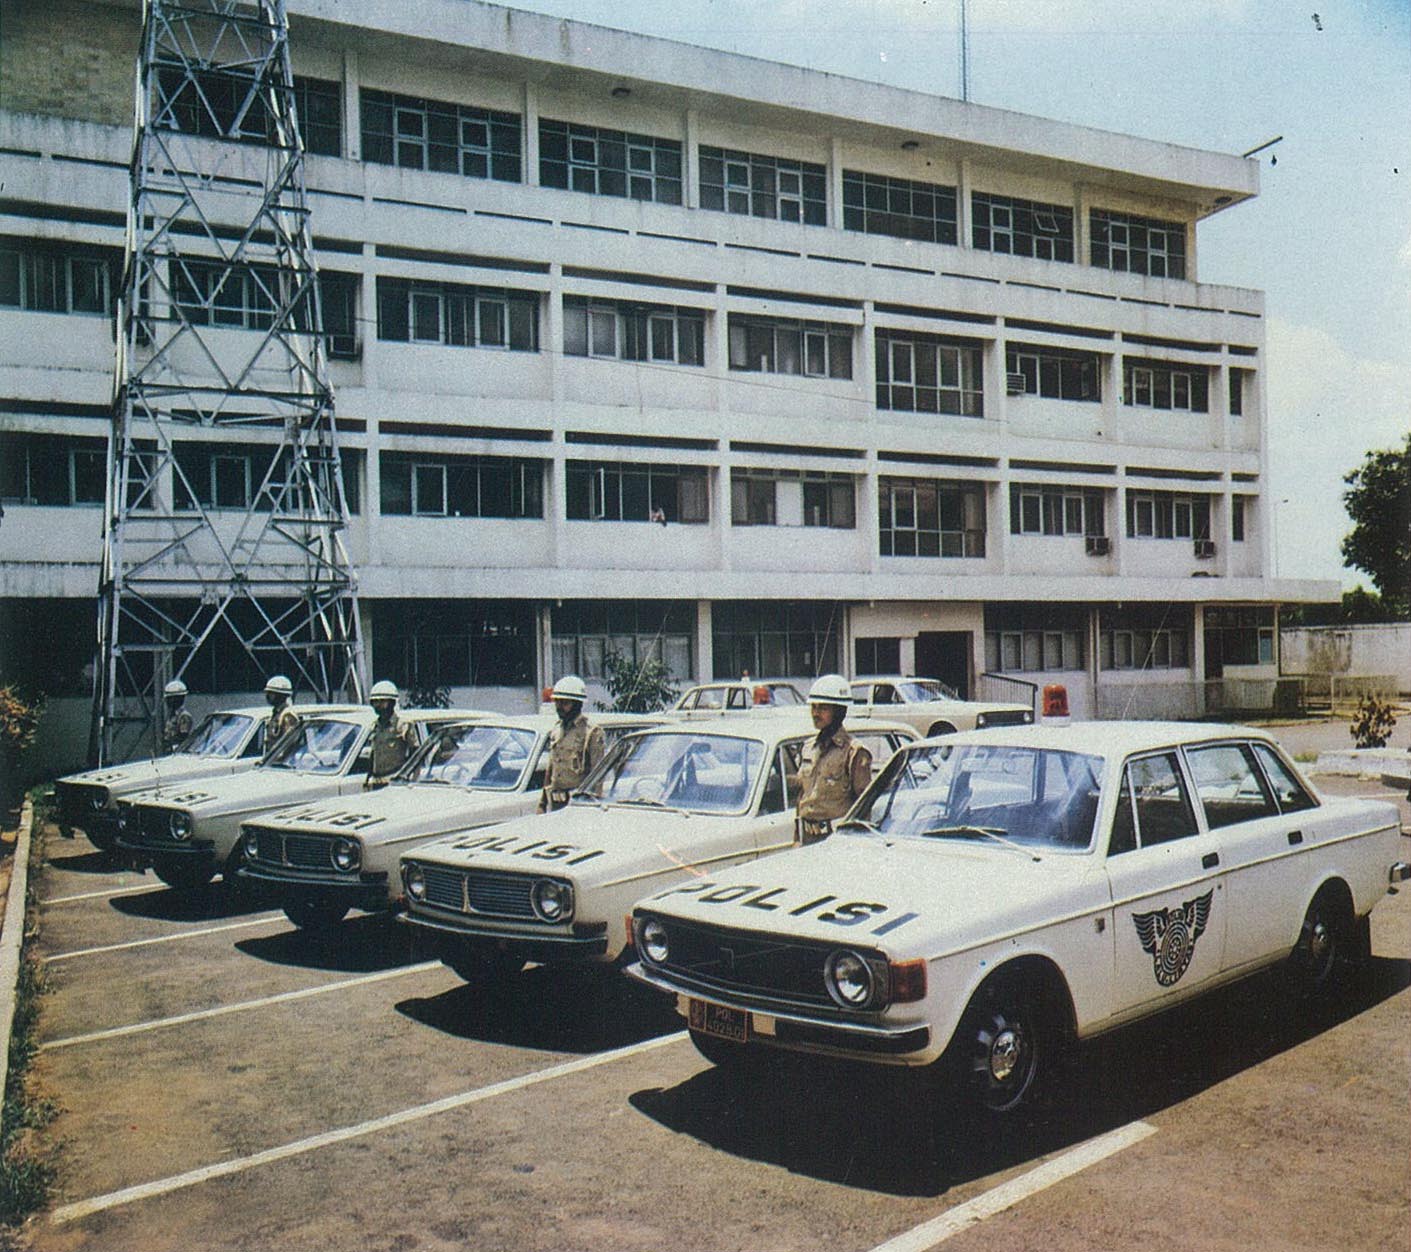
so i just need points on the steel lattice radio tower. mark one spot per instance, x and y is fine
(209, 557)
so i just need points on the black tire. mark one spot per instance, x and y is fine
(483, 966)
(181, 876)
(103, 842)
(999, 1058)
(238, 891)
(1331, 946)
(940, 728)
(316, 916)
(734, 1058)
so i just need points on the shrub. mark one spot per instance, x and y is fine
(428, 698)
(1373, 723)
(636, 687)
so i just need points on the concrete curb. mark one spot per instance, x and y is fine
(12, 938)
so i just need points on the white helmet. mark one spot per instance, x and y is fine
(383, 690)
(830, 689)
(280, 686)
(174, 689)
(570, 687)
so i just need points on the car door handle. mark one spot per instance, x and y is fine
(1210, 860)
(1295, 837)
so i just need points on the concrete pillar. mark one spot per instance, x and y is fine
(531, 134)
(835, 184)
(690, 159)
(962, 206)
(352, 123)
(705, 642)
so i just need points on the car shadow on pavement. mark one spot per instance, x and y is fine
(93, 861)
(550, 1008)
(211, 902)
(364, 944)
(890, 1131)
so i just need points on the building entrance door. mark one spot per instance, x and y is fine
(945, 654)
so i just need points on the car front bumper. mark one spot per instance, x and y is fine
(358, 891)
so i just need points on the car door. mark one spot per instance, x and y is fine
(774, 820)
(1260, 846)
(1167, 884)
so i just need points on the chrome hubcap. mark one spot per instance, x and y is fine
(1320, 942)
(1004, 1054)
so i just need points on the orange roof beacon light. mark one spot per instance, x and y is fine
(1056, 704)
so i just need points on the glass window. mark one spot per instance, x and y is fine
(435, 135)
(1290, 793)
(1162, 804)
(773, 345)
(878, 205)
(609, 162)
(1021, 227)
(1139, 245)
(1053, 373)
(928, 374)
(763, 186)
(633, 332)
(457, 316)
(921, 517)
(1151, 384)
(1229, 784)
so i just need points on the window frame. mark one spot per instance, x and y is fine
(1025, 229)
(725, 194)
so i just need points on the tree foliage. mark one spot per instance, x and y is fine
(1378, 500)
(637, 687)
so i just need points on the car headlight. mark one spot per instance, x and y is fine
(252, 845)
(850, 979)
(180, 825)
(346, 855)
(552, 900)
(125, 820)
(415, 879)
(1028, 716)
(652, 941)
(98, 801)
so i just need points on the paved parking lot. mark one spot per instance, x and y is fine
(228, 1083)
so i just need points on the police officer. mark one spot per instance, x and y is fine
(279, 692)
(177, 726)
(835, 769)
(393, 740)
(575, 744)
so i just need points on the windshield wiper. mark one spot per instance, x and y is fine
(989, 832)
(654, 804)
(859, 824)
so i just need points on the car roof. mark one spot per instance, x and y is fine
(545, 721)
(1115, 739)
(779, 723)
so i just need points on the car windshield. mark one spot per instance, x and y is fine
(316, 747)
(1037, 797)
(218, 735)
(679, 770)
(915, 691)
(480, 756)
(783, 693)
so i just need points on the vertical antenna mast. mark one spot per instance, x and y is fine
(223, 528)
(964, 53)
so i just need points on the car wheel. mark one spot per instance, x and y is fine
(1000, 1051)
(182, 877)
(103, 842)
(315, 916)
(1330, 944)
(734, 1058)
(940, 728)
(484, 966)
(238, 891)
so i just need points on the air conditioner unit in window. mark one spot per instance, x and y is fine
(1014, 384)
(1098, 545)
(1204, 549)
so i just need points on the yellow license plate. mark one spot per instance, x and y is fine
(719, 1021)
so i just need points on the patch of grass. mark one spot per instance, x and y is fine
(27, 1169)
(1305, 758)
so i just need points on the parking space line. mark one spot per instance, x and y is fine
(163, 1186)
(198, 1015)
(1007, 1194)
(185, 934)
(98, 895)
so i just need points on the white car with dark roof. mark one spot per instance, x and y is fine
(665, 806)
(995, 894)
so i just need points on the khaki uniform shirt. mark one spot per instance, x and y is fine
(282, 719)
(573, 751)
(833, 773)
(177, 727)
(392, 742)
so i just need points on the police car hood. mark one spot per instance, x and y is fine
(397, 811)
(262, 788)
(591, 844)
(906, 896)
(139, 775)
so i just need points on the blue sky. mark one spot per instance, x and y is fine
(1328, 239)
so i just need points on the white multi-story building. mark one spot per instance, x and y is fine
(644, 346)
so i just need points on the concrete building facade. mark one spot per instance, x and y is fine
(644, 347)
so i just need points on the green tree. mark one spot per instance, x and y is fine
(636, 687)
(1378, 500)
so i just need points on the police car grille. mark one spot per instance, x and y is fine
(491, 895)
(306, 851)
(151, 825)
(1006, 717)
(747, 964)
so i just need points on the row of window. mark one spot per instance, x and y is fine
(417, 133)
(916, 517)
(916, 372)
